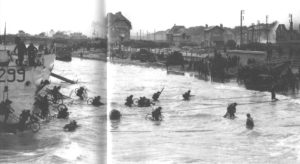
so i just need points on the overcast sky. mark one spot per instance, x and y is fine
(35, 16)
(163, 14)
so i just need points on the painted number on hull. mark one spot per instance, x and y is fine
(12, 74)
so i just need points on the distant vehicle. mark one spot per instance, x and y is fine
(63, 52)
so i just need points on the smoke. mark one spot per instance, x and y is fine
(98, 26)
(272, 32)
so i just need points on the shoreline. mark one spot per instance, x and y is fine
(91, 55)
(178, 71)
(160, 65)
(136, 62)
(90, 58)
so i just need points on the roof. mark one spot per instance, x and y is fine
(262, 26)
(177, 30)
(281, 27)
(118, 17)
(212, 28)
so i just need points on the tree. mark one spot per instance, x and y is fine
(21, 32)
(60, 34)
(42, 34)
(51, 33)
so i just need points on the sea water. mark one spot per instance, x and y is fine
(195, 131)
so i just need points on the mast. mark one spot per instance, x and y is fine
(267, 29)
(242, 18)
(4, 37)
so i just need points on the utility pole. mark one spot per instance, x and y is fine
(252, 37)
(267, 28)
(291, 22)
(242, 18)
(258, 23)
(154, 35)
(140, 34)
(147, 35)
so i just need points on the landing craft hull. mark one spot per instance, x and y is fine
(22, 82)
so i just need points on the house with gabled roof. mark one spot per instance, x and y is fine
(177, 34)
(214, 36)
(118, 27)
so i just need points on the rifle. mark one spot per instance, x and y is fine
(161, 90)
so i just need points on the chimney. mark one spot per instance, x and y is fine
(291, 25)
(118, 13)
(221, 25)
(291, 22)
(206, 26)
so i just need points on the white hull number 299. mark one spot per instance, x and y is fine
(12, 74)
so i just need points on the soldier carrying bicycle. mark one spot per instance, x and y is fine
(81, 92)
(56, 94)
(63, 113)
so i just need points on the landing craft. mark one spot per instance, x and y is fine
(19, 83)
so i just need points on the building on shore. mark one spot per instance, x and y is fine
(157, 36)
(288, 43)
(177, 35)
(284, 35)
(118, 28)
(261, 33)
(77, 35)
(214, 36)
(237, 34)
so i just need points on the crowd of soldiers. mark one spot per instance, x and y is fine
(31, 51)
(41, 110)
(156, 114)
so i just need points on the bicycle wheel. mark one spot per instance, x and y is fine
(148, 116)
(89, 101)
(35, 126)
(61, 106)
(135, 101)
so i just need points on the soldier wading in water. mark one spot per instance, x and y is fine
(156, 95)
(249, 122)
(230, 111)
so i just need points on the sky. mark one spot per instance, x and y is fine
(36, 16)
(150, 15)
